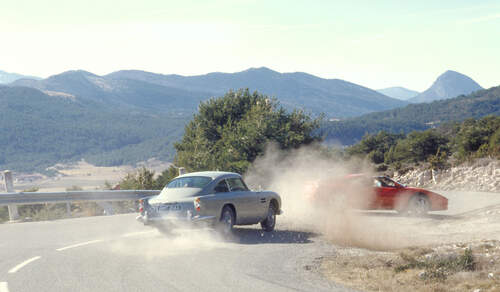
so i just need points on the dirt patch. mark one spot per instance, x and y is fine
(451, 267)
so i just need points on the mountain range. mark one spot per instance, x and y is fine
(174, 93)
(130, 116)
(447, 85)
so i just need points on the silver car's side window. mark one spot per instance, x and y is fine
(221, 187)
(236, 184)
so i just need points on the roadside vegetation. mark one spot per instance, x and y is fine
(452, 143)
(455, 267)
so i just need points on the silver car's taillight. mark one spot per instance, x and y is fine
(141, 205)
(197, 204)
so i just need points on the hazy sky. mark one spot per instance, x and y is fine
(373, 43)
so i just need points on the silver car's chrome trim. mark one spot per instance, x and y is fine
(196, 218)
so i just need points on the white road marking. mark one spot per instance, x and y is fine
(137, 233)
(4, 287)
(21, 265)
(79, 244)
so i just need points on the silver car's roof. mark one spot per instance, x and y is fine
(212, 174)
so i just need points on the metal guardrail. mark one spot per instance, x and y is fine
(73, 196)
(13, 199)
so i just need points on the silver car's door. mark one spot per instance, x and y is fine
(250, 208)
(222, 196)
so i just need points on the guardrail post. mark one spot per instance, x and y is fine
(108, 208)
(9, 187)
(68, 210)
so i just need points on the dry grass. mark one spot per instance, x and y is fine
(455, 267)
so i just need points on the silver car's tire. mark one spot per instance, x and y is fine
(418, 205)
(270, 221)
(226, 222)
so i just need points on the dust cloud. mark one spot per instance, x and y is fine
(180, 239)
(298, 176)
(317, 190)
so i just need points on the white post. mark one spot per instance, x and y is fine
(182, 170)
(68, 209)
(9, 187)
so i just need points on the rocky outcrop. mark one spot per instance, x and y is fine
(482, 175)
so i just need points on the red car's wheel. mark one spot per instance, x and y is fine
(418, 205)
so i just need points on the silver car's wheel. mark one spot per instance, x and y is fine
(418, 206)
(270, 221)
(227, 219)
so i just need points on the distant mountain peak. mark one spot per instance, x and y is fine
(261, 69)
(75, 72)
(8, 77)
(448, 85)
(399, 92)
(452, 74)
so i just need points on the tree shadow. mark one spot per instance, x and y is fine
(256, 236)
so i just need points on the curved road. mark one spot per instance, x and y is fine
(116, 253)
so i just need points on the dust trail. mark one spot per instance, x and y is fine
(298, 174)
(180, 240)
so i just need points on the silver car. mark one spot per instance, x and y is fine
(219, 199)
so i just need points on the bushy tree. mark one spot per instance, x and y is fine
(478, 138)
(229, 132)
(417, 146)
(375, 146)
(142, 179)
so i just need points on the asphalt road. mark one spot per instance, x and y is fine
(116, 253)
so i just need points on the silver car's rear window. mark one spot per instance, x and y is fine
(189, 182)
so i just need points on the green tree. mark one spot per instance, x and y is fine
(375, 146)
(142, 179)
(229, 132)
(477, 138)
(418, 146)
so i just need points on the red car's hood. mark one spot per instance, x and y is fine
(423, 191)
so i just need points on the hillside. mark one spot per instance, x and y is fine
(399, 92)
(6, 77)
(175, 93)
(415, 116)
(447, 85)
(39, 130)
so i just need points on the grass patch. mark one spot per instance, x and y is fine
(438, 267)
(452, 267)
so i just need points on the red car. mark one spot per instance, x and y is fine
(376, 193)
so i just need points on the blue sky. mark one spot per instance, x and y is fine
(373, 43)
